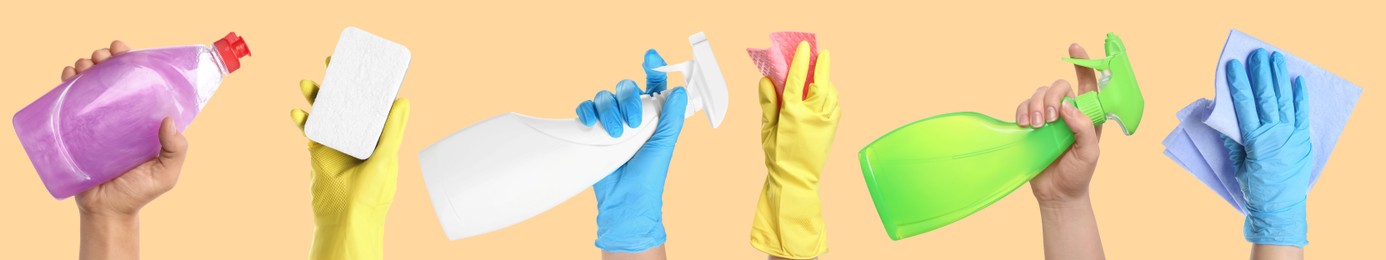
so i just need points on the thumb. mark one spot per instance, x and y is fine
(671, 118)
(655, 81)
(1084, 134)
(173, 149)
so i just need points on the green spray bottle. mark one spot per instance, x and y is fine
(938, 170)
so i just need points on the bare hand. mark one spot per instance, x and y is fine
(125, 195)
(110, 211)
(97, 56)
(1067, 178)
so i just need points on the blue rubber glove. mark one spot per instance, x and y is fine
(630, 201)
(1274, 165)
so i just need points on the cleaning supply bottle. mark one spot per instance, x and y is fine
(105, 121)
(511, 167)
(938, 170)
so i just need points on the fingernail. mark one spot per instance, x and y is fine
(1053, 115)
(1038, 122)
(1022, 120)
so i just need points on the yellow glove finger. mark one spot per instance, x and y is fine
(769, 107)
(393, 135)
(822, 96)
(309, 90)
(830, 109)
(820, 69)
(300, 117)
(798, 75)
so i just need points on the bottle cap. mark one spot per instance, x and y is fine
(1091, 105)
(231, 48)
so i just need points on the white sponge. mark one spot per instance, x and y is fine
(360, 86)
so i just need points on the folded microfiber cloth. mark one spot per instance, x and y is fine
(1196, 144)
(773, 62)
(1331, 98)
(1198, 149)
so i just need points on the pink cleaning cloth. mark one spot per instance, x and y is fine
(774, 61)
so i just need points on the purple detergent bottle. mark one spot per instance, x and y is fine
(105, 121)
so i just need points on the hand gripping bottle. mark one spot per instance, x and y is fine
(105, 121)
(938, 170)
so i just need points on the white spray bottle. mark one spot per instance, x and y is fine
(509, 168)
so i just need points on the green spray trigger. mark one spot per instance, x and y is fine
(1093, 64)
(1120, 97)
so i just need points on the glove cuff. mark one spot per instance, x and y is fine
(1287, 227)
(789, 220)
(630, 236)
(347, 241)
(629, 229)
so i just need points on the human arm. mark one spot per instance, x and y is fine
(1069, 225)
(110, 211)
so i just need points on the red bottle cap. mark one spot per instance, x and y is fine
(231, 48)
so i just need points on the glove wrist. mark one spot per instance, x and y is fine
(1286, 227)
(1276, 187)
(622, 231)
(348, 241)
(630, 217)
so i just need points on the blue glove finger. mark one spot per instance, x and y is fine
(1284, 98)
(1301, 104)
(587, 113)
(670, 119)
(1243, 102)
(609, 113)
(628, 93)
(1259, 71)
(655, 81)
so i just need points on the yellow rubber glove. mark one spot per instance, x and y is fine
(350, 196)
(796, 136)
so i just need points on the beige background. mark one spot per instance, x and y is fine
(244, 191)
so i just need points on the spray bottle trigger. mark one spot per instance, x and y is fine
(681, 67)
(1101, 64)
(695, 102)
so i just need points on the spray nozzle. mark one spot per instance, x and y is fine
(231, 48)
(1120, 97)
(707, 89)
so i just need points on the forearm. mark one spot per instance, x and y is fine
(110, 236)
(1276, 252)
(1070, 230)
(655, 253)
